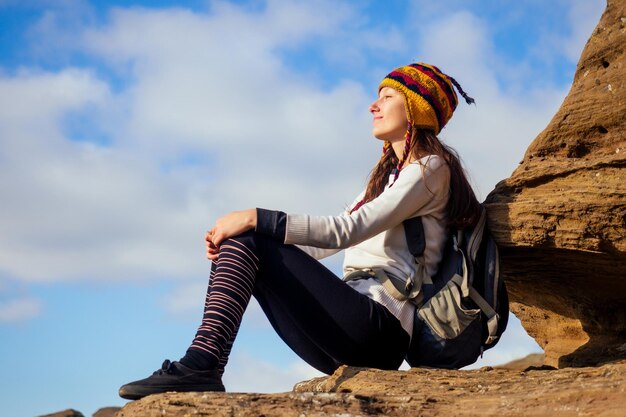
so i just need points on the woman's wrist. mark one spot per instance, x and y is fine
(252, 218)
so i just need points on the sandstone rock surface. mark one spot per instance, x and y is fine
(107, 412)
(599, 391)
(560, 219)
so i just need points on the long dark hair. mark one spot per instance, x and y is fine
(463, 209)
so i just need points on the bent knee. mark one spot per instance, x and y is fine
(251, 239)
(245, 238)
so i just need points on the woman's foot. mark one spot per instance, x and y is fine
(173, 376)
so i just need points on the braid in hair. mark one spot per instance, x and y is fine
(379, 176)
(405, 153)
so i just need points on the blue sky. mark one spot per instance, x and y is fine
(127, 127)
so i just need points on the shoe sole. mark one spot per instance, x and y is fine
(138, 392)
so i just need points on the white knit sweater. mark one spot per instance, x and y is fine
(373, 236)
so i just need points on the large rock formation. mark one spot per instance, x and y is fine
(560, 219)
(349, 392)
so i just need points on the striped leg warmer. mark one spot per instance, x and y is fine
(230, 288)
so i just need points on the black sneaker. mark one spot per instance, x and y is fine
(173, 376)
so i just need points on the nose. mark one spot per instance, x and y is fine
(374, 107)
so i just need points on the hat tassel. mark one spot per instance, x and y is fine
(467, 98)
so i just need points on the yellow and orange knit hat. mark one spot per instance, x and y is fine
(429, 94)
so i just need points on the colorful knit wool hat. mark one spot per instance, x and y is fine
(429, 94)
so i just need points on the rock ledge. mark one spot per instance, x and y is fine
(533, 392)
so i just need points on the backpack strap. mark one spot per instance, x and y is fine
(393, 286)
(463, 281)
(428, 290)
(473, 245)
(416, 242)
(410, 292)
(417, 288)
(476, 238)
(468, 291)
(496, 269)
(492, 316)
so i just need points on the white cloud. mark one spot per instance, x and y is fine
(582, 17)
(20, 309)
(187, 299)
(34, 100)
(217, 87)
(76, 210)
(135, 208)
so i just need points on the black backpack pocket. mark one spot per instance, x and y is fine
(447, 333)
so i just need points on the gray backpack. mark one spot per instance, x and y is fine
(461, 311)
(464, 310)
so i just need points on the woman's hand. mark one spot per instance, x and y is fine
(230, 225)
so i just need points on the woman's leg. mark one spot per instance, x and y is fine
(320, 317)
(326, 322)
(230, 287)
(196, 360)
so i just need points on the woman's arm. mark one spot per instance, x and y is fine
(411, 192)
(269, 222)
(414, 193)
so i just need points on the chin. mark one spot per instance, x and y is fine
(386, 137)
(380, 135)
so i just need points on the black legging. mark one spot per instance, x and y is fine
(325, 321)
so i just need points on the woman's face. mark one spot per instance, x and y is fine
(390, 120)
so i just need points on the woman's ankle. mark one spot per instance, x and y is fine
(198, 361)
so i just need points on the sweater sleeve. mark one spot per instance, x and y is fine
(410, 195)
(272, 223)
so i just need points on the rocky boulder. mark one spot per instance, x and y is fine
(560, 219)
(107, 412)
(599, 391)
